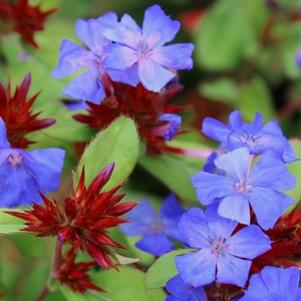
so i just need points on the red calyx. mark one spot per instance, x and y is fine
(16, 112)
(83, 219)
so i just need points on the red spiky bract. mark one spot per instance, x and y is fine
(286, 246)
(83, 219)
(24, 18)
(144, 106)
(75, 274)
(16, 112)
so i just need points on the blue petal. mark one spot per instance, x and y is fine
(249, 243)
(235, 121)
(129, 22)
(72, 58)
(174, 124)
(156, 244)
(124, 35)
(46, 166)
(197, 269)
(170, 214)
(177, 56)
(272, 173)
(87, 86)
(128, 76)
(18, 187)
(121, 57)
(91, 31)
(236, 164)
(3, 135)
(158, 28)
(210, 187)
(217, 225)
(141, 218)
(153, 76)
(182, 291)
(194, 228)
(235, 207)
(215, 129)
(232, 270)
(273, 284)
(268, 205)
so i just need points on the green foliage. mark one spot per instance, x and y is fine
(119, 144)
(163, 269)
(228, 35)
(9, 224)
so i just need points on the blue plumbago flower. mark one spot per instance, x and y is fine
(255, 136)
(89, 85)
(220, 255)
(298, 58)
(173, 124)
(243, 185)
(143, 48)
(274, 284)
(24, 174)
(155, 228)
(182, 292)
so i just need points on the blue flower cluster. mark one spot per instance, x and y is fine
(26, 174)
(243, 187)
(123, 51)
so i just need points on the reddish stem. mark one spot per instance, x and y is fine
(55, 267)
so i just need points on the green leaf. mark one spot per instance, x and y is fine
(9, 224)
(163, 269)
(241, 22)
(255, 97)
(295, 170)
(174, 171)
(119, 143)
(223, 89)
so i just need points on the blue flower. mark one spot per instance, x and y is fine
(24, 174)
(274, 284)
(89, 85)
(182, 292)
(255, 136)
(155, 228)
(219, 255)
(173, 124)
(260, 186)
(143, 48)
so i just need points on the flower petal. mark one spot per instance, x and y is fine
(18, 187)
(141, 218)
(120, 57)
(72, 58)
(249, 243)
(155, 243)
(158, 27)
(273, 173)
(128, 76)
(177, 56)
(210, 187)
(194, 228)
(268, 205)
(3, 135)
(153, 76)
(197, 269)
(87, 86)
(46, 165)
(236, 163)
(235, 207)
(215, 129)
(232, 270)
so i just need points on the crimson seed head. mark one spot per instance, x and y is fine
(27, 19)
(142, 105)
(75, 274)
(83, 219)
(16, 112)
